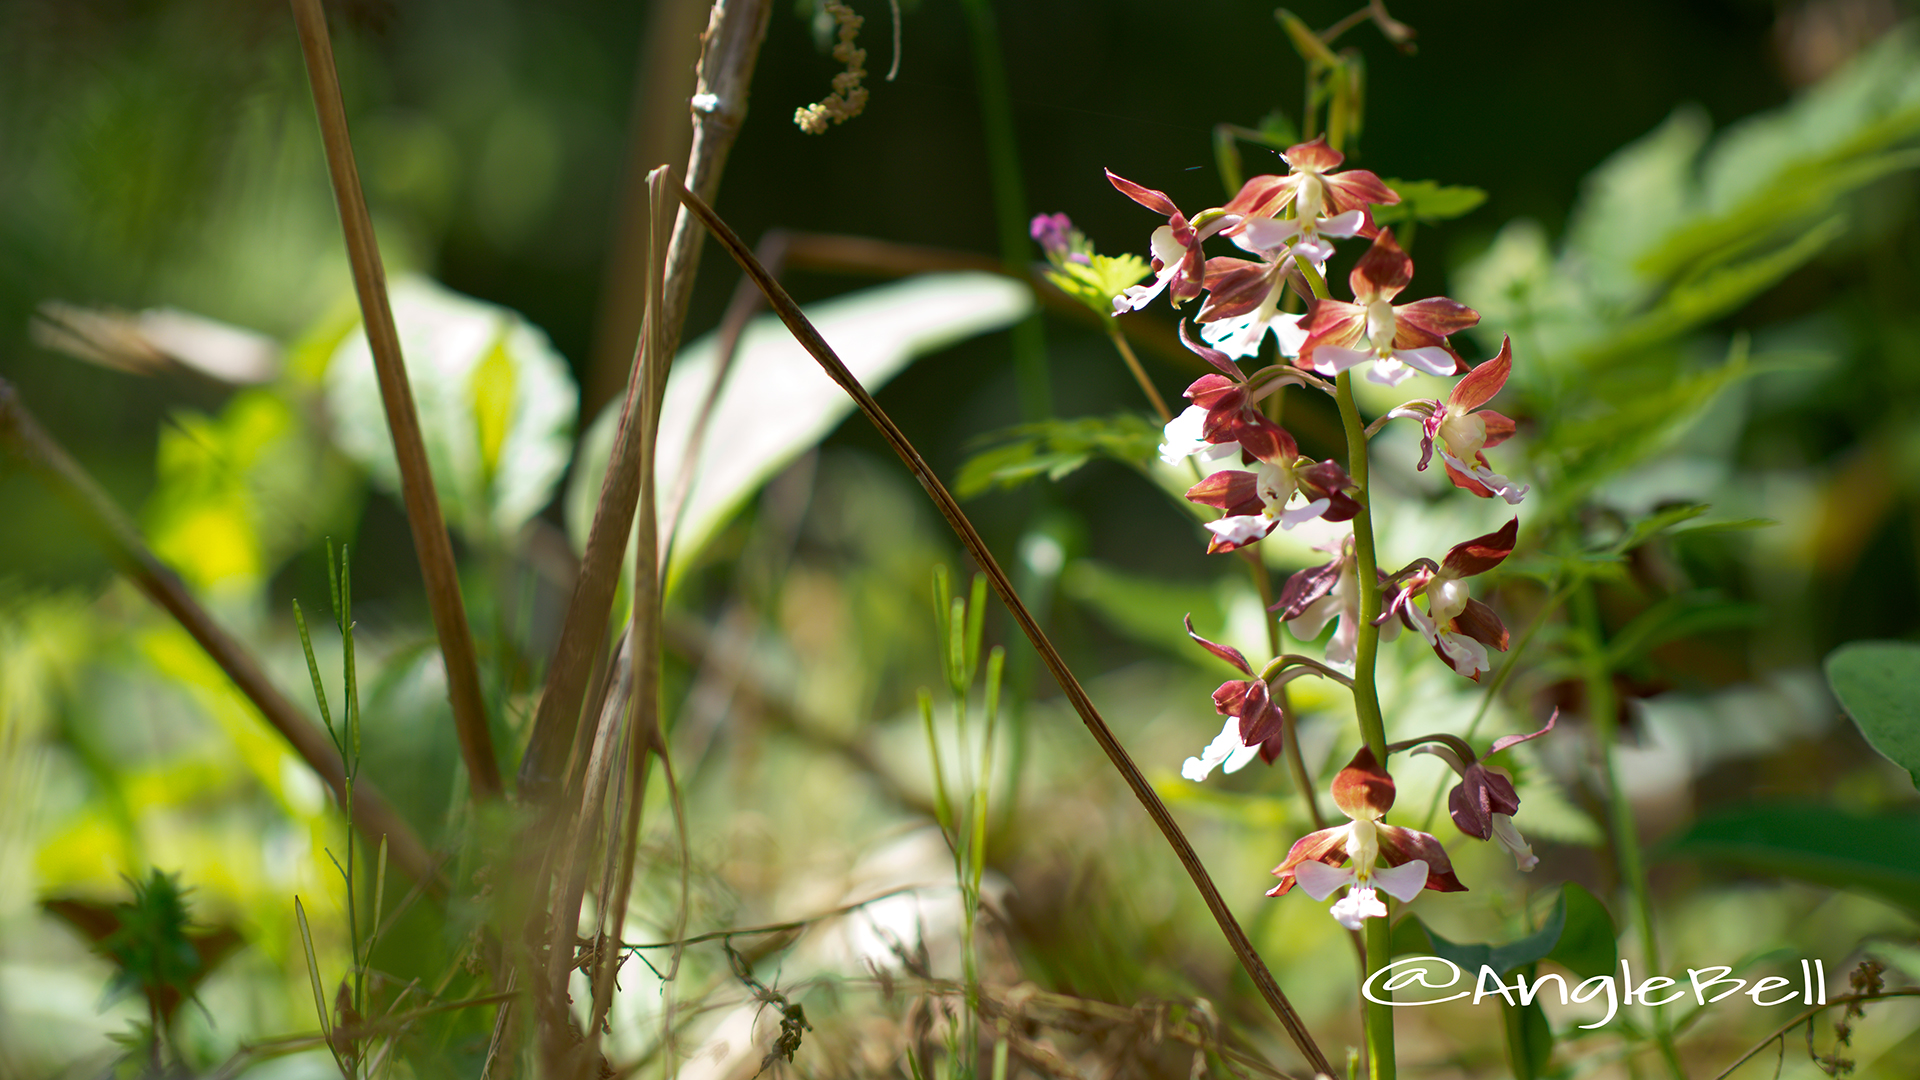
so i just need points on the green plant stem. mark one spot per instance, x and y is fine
(1601, 709)
(1366, 697)
(1139, 373)
(1009, 204)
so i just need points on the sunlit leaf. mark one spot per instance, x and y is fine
(1427, 201)
(1878, 683)
(496, 402)
(1812, 842)
(776, 402)
(1055, 448)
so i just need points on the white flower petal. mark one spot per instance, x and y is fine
(1302, 514)
(1345, 224)
(1266, 234)
(1403, 882)
(1467, 655)
(1287, 329)
(1388, 371)
(1334, 359)
(1221, 749)
(1243, 529)
(1238, 337)
(1489, 479)
(1240, 758)
(1510, 838)
(1433, 359)
(1319, 880)
(1356, 907)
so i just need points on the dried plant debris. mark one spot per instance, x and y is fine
(848, 97)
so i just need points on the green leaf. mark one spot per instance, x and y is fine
(496, 401)
(1658, 522)
(1588, 944)
(1711, 294)
(775, 402)
(1529, 1039)
(1578, 935)
(1812, 842)
(1878, 683)
(1098, 280)
(1055, 448)
(1428, 201)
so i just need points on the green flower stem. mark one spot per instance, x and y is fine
(1031, 383)
(1139, 373)
(1366, 697)
(1601, 709)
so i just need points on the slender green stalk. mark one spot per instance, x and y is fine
(1009, 204)
(1139, 373)
(1601, 708)
(1366, 697)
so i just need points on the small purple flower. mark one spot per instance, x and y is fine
(1052, 231)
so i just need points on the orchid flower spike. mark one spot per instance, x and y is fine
(1460, 628)
(1415, 860)
(1483, 803)
(1397, 339)
(1331, 591)
(1179, 268)
(1465, 433)
(1254, 724)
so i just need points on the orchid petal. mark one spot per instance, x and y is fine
(1402, 882)
(1510, 838)
(1241, 530)
(1346, 224)
(1319, 880)
(1389, 371)
(1433, 359)
(1302, 514)
(1334, 359)
(1219, 751)
(1359, 905)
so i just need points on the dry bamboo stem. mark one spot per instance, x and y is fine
(430, 540)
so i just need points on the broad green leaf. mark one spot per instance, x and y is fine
(1428, 201)
(1878, 683)
(1588, 944)
(240, 492)
(776, 402)
(1812, 842)
(1578, 935)
(1055, 448)
(496, 403)
(1098, 280)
